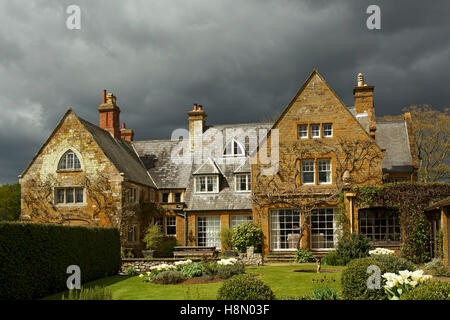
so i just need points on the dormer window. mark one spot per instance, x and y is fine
(69, 161)
(207, 184)
(242, 183)
(234, 149)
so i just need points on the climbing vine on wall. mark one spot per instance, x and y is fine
(410, 200)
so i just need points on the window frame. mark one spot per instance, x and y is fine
(175, 197)
(307, 131)
(248, 182)
(171, 225)
(74, 190)
(65, 159)
(163, 194)
(324, 130)
(134, 231)
(311, 130)
(313, 172)
(206, 176)
(235, 145)
(319, 171)
(335, 228)
(374, 217)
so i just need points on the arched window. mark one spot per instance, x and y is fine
(69, 161)
(234, 149)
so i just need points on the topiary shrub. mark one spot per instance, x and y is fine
(166, 247)
(332, 258)
(352, 246)
(354, 280)
(245, 287)
(393, 263)
(226, 238)
(192, 270)
(304, 256)
(428, 291)
(168, 277)
(247, 235)
(227, 271)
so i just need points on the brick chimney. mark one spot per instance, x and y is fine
(197, 124)
(126, 134)
(363, 94)
(109, 115)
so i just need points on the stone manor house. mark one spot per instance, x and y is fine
(88, 174)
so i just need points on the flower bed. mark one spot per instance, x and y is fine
(381, 251)
(182, 270)
(398, 284)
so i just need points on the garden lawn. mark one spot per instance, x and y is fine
(283, 281)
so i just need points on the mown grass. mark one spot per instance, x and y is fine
(283, 281)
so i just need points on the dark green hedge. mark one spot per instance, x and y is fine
(34, 257)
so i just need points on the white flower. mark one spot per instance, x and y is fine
(141, 275)
(381, 251)
(148, 273)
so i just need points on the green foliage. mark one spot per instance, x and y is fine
(192, 270)
(226, 238)
(9, 202)
(304, 256)
(131, 271)
(153, 236)
(428, 291)
(410, 200)
(332, 258)
(436, 268)
(350, 246)
(96, 293)
(34, 257)
(325, 293)
(166, 247)
(210, 269)
(228, 271)
(354, 280)
(246, 235)
(245, 287)
(169, 277)
(417, 246)
(393, 263)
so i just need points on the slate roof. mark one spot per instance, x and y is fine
(156, 157)
(121, 153)
(393, 136)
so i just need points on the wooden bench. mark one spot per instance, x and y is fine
(195, 252)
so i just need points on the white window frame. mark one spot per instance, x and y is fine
(234, 143)
(172, 224)
(236, 220)
(215, 224)
(277, 230)
(328, 171)
(248, 182)
(303, 131)
(65, 203)
(65, 158)
(312, 135)
(215, 185)
(313, 172)
(316, 218)
(325, 130)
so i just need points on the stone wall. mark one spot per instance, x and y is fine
(251, 258)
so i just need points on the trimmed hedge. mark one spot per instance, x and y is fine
(428, 291)
(354, 280)
(34, 257)
(245, 287)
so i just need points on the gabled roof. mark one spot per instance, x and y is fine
(119, 152)
(208, 167)
(245, 167)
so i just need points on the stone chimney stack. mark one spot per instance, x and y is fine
(197, 124)
(363, 95)
(109, 115)
(126, 134)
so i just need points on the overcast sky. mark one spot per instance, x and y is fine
(242, 60)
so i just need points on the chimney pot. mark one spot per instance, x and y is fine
(195, 107)
(360, 79)
(200, 108)
(104, 96)
(123, 125)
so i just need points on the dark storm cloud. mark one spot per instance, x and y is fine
(243, 60)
